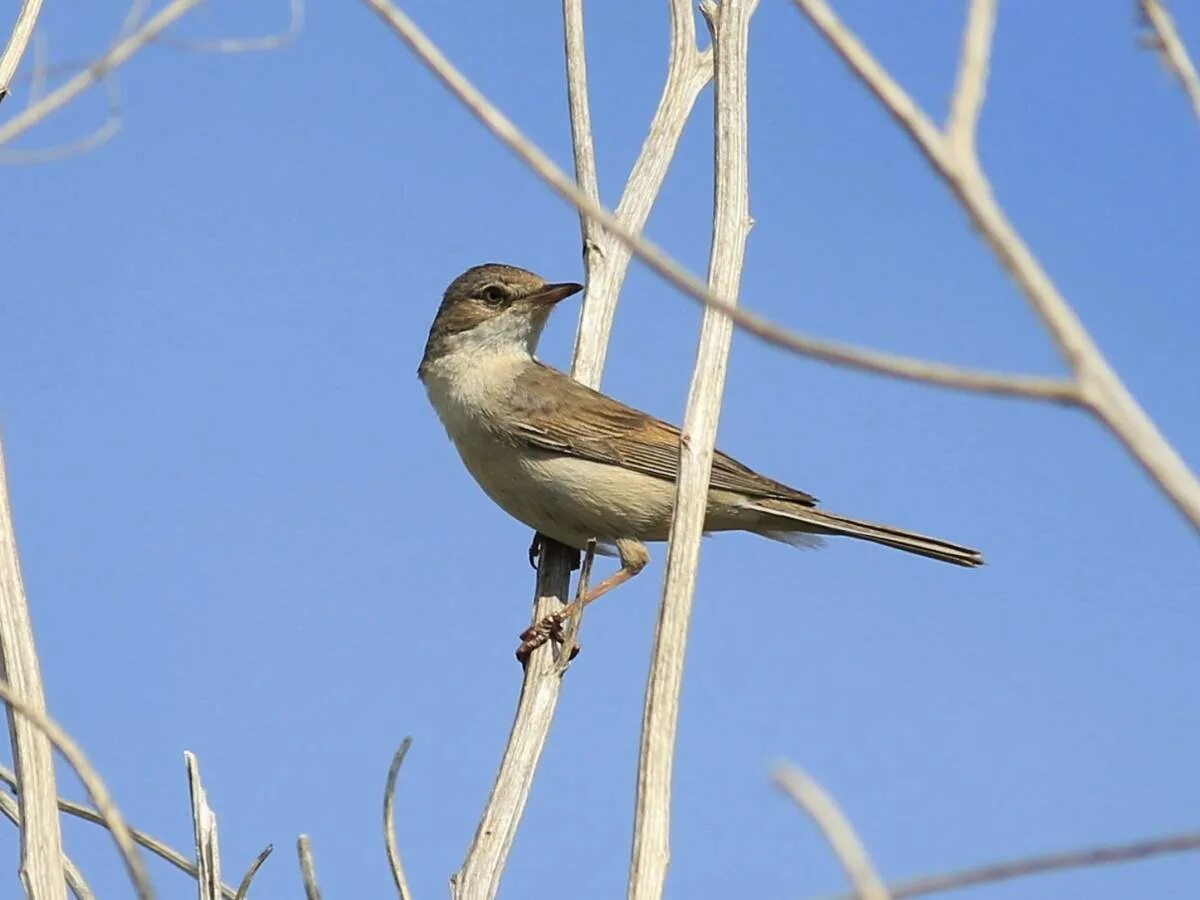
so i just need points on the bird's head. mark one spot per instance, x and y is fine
(493, 309)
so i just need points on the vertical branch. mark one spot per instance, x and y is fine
(729, 25)
(204, 827)
(41, 832)
(688, 71)
(606, 261)
(22, 31)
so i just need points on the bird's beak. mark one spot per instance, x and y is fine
(553, 293)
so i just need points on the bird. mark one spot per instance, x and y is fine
(577, 465)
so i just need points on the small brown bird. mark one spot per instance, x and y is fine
(576, 465)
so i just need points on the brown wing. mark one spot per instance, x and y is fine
(606, 431)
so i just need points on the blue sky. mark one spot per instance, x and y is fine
(244, 532)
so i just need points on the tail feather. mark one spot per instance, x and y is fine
(797, 525)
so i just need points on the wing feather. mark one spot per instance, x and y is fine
(606, 431)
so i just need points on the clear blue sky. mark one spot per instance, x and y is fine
(244, 532)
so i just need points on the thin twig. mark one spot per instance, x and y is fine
(729, 26)
(244, 885)
(308, 869)
(607, 258)
(92, 783)
(75, 881)
(967, 101)
(151, 843)
(22, 31)
(894, 365)
(1172, 49)
(204, 829)
(570, 628)
(42, 854)
(1038, 865)
(99, 136)
(480, 874)
(389, 821)
(1097, 386)
(116, 56)
(245, 45)
(579, 111)
(836, 828)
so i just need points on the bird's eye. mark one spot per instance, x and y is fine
(494, 295)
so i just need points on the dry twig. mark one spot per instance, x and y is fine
(1097, 387)
(41, 832)
(1171, 48)
(116, 56)
(92, 783)
(389, 821)
(18, 42)
(729, 25)
(75, 880)
(308, 869)
(1038, 865)
(204, 828)
(151, 843)
(836, 828)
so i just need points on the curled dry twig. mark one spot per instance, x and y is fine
(92, 783)
(842, 838)
(389, 821)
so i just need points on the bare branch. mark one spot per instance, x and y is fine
(581, 129)
(1038, 865)
(153, 844)
(75, 881)
(246, 45)
(487, 856)
(204, 827)
(244, 886)
(308, 869)
(1170, 47)
(92, 783)
(389, 821)
(41, 832)
(116, 56)
(100, 136)
(836, 828)
(1099, 389)
(729, 25)
(688, 71)
(963, 125)
(607, 263)
(22, 31)
(904, 367)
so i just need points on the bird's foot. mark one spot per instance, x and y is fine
(550, 628)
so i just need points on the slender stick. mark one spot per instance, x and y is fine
(1098, 388)
(729, 25)
(92, 783)
(117, 55)
(243, 889)
(1171, 47)
(75, 881)
(389, 822)
(909, 368)
(18, 42)
(836, 828)
(1051, 862)
(204, 829)
(308, 869)
(141, 838)
(41, 831)
(606, 265)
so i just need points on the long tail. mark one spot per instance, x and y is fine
(796, 525)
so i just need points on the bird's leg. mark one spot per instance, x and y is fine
(538, 544)
(634, 557)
